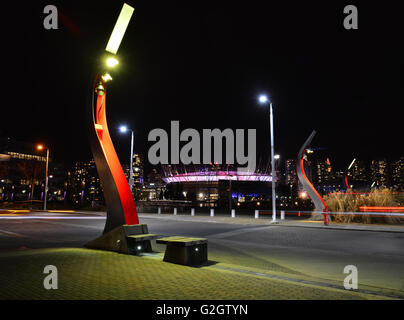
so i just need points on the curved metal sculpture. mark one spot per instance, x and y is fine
(121, 208)
(347, 184)
(318, 201)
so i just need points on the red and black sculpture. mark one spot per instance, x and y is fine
(318, 201)
(121, 207)
(122, 232)
(122, 220)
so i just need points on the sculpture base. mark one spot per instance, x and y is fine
(127, 239)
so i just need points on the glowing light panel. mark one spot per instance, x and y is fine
(120, 28)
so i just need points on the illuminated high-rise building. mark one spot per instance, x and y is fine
(379, 173)
(357, 172)
(138, 167)
(397, 174)
(291, 174)
(83, 184)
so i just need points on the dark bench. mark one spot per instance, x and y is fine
(138, 238)
(184, 250)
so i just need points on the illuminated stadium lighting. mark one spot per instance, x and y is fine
(214, 176)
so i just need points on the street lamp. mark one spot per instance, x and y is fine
(112, 62)
(124, 129)
(346, 174)
(40, 147)
(263, 99)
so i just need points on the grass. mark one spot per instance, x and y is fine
(93, 274)
(348, 202)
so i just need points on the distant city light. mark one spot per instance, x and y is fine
(263, 98)
(277, 156)
(303, 194)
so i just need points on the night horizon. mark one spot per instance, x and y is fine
(205, 66)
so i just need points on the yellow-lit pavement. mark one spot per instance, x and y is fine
(94, 274)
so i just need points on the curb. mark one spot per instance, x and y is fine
(329, 227)
(341, 228)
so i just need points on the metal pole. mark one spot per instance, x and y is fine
(46, 179)
(230, 196)
(272, 164)
(131, 164)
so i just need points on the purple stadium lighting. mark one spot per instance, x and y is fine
(216, 176)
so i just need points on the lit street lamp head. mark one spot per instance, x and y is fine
(263, 98)
(277, 156)
(40, 147)
(123, 129)
(106, 77)
(112, 62)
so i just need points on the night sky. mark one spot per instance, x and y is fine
(204, 63)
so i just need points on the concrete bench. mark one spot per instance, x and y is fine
(138, 238)
(128, 239)
(184, 250)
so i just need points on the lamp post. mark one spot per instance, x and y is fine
(263, 99)
(41, 147)
(124, 129)
(346, 175)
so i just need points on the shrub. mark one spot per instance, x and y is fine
(348, 202)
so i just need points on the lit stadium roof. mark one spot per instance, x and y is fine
(204, 176)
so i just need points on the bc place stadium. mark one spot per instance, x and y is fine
(215, 186)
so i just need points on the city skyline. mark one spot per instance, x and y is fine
(78, 184)
(342, 83)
